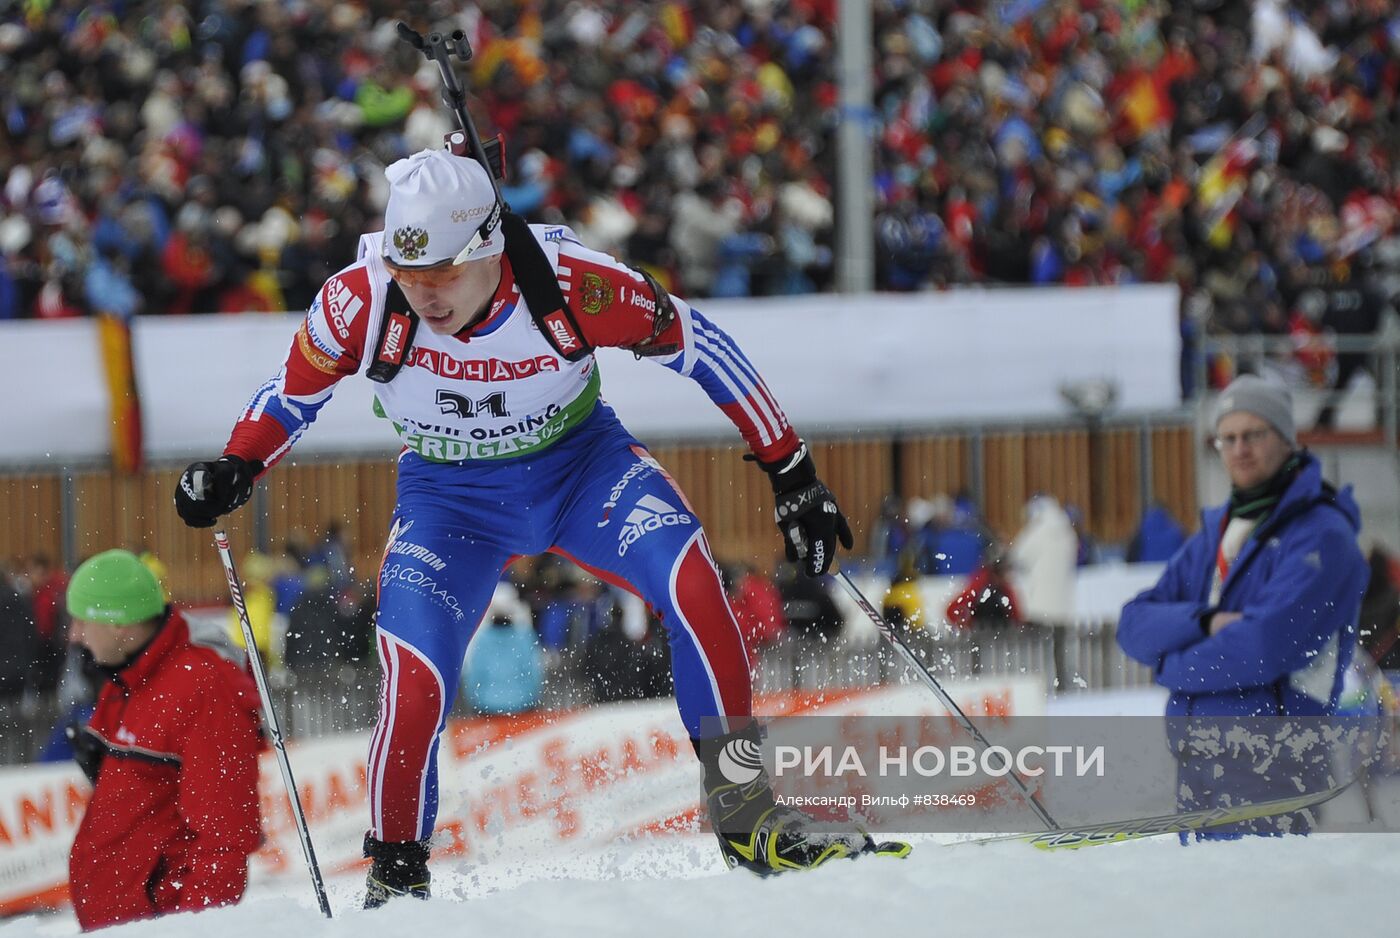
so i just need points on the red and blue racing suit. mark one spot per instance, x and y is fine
(566, 478)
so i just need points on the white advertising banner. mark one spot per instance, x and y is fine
(515, 786)
(56, 403)
(839, 363)
(835, 364)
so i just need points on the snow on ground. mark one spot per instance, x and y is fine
(677, 888)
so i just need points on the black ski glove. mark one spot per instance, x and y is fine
(806, 512)
(210, 489)
(88, 750)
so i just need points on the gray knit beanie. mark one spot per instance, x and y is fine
(1267, 400)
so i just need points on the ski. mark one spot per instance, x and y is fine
(1112, 832)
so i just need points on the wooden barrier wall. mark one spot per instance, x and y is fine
(730, 495)
(30, 508)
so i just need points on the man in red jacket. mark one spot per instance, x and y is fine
(172, 751)
(758, 607)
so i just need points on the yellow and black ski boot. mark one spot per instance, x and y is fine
(757, 833)
(396, 869)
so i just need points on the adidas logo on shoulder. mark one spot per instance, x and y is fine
(650, 514)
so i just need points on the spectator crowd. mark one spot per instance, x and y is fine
(224, 155)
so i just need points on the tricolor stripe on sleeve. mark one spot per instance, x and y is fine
(328, 346)
(716, 363)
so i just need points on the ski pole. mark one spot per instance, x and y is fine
(236, 594)
(894, 638)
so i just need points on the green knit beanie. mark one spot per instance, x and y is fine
(114, 588)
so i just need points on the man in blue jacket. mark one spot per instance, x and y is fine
(1256, 615)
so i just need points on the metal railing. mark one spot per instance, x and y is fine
(1283, 356)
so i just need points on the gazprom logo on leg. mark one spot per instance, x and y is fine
(650, 514)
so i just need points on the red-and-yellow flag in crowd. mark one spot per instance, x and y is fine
(114, 338)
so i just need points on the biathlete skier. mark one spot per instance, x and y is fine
(510, 450)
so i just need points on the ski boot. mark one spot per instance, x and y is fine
(396, 869)
(757, 833)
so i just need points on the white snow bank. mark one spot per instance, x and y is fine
(677, 888)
